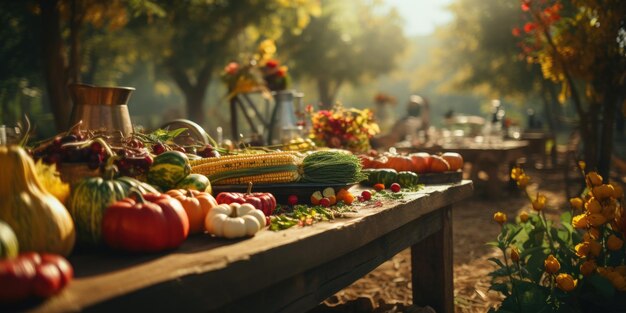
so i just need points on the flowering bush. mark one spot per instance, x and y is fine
(575, 265)
(343, 128)
(259, 72)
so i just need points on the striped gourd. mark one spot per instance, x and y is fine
(168, 169)
(266, 168)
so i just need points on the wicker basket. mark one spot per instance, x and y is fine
(71, 173)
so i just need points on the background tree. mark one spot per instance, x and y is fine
(582, 46)
(351, 40)
(198, 37)
(480, 53)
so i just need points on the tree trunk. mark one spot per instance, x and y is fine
(194, 103)
(606, 141)
(323, 91)
(76, 18)
(54, 63)
(194, 93)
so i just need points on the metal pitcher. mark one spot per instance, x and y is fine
(101, 108)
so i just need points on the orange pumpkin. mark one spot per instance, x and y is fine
(197, 205)
(400, 163)
(379, 163)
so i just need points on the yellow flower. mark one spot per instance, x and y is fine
(523, 217)
(594, 178)
(588, 267)
(551, 264)
(596, 220)
(609, 210)
(523, 181)
(576, 203)
(516, 173)
(595, 248)
(614, 243)
(582, 165)
(514, 254)
(500, 218)
(566, 282)
(618, 192)
(582, 249)
(539, 203)
(603, 191)
(593, 206)
(580, 221)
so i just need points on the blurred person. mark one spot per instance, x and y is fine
(412, 127)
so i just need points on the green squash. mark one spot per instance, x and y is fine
(385, 176)
(90, 198)
(196, 182)
(407, 179)
(168, 169)
(9, 247)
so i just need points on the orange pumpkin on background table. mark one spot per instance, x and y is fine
(400, 163)
(438, 164)
(455, 160)
(421, 162)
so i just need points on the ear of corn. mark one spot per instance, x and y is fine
(275, 167)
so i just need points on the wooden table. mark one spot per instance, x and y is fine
(287, 271)
(492, 158)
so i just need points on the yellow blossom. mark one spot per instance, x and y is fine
(582, 165)
(580, 221)
(566, 282)
(539, 203)
(595, 248)
(523, 217)
(593, 206)
(614, 243)
(516, 173)
(594, 178)
(603, 191)
(618, 191)
(499, 217)
(582, 249)
(609, 210)
(551, 264)
(576, 203)
(596, 220)
(514, 254)
(523, 181)
(588, 267)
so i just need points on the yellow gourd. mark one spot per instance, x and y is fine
(40, 221)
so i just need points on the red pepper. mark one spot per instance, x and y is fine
(263, 201)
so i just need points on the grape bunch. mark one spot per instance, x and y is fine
(133, 162)
(73, 148)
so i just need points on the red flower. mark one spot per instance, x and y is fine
(525, 5)
(231, 68)
(516, 32)
(271, 63)
(281, 72)
(529, 27)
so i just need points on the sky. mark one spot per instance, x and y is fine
(422, 16)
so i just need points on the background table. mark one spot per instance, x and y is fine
(494, 159)
(287, 271)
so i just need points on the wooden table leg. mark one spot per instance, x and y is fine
(431, 268)
(233, 120)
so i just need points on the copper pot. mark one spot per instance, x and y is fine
(101, 108)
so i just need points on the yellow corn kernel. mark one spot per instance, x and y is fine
(268, 178)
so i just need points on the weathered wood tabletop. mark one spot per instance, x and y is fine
(285, 271)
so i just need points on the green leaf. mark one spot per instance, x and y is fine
(534, 264)
(602, 285)
(566, 217)
(497, 261)
(501, 272)
(501, 287)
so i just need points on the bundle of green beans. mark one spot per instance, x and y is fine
(332, 167)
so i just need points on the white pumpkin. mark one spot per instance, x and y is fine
(234, 220)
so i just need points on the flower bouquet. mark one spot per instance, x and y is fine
(349, 129)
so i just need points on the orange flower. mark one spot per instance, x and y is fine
(614, 243)
(566, 282)
(514, 254)
(582, 249)
(539, 203)
(523, 217)
(588, 267)
(576, 203)
(580, 221)
(499, 217)
(551, 264)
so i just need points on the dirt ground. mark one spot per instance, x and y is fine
(388, 288)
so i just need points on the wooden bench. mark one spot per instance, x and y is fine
(287, 271)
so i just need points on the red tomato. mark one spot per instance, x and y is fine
(438, 164)
(454, 159)
(395, 187)
(47, 281)
(153, 223)
(292, 200)
(66, 270)
(16, 277)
